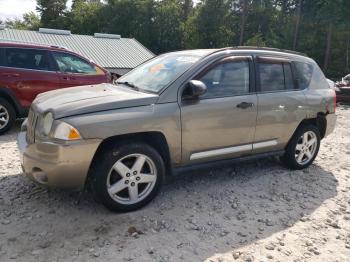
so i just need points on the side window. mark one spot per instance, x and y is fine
(72, 64)
(275, 77)
(227, 79)
(27, 59)
(303, 74)
(271, 77)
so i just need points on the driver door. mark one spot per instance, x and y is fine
(221, 123)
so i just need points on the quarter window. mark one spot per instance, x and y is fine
(68, 63)
(303, 72)
(27, 59)
(227, 79)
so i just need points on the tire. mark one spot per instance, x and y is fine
(292, 157)
(116, 167)
(7, 116)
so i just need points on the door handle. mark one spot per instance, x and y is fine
(245, 105)
(67, 78)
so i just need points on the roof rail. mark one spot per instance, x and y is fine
(268, 49)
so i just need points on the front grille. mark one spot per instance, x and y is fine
(31, 124)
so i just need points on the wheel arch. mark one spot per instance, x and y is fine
(319, 121)
(155, 139)
(11, 98)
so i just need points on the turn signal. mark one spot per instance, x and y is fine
(73, 134)
(65, 131)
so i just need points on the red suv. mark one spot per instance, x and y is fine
(28, 70)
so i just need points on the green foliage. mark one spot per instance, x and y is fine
(256, 40)
(211, 25)
(85, 17)
(30, 21)
(320, 28)
(52, 13)
(168, 26)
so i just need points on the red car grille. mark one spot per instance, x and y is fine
(32, 121)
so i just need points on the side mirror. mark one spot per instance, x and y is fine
(194, 89)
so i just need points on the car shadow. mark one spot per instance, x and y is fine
(198, 213)
(11, 135)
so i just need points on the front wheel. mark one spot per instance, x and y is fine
(128, 177)
(302, 148)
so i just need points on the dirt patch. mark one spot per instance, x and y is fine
(251, 211)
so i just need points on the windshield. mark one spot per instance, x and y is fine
(155, 74)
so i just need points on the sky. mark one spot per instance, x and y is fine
(16, 8)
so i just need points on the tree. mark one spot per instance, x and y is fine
(244, 5)
(256, 40)
(167, 25)
(86, 17)
(211, 25)
(297, 24)
(52, 13)
(131, 19)
(30, 21)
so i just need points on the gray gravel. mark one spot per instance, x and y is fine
(251, 211)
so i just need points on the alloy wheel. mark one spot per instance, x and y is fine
(131, 179)
(4, 117)
(306, 148)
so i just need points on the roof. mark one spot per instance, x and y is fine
(109, 51)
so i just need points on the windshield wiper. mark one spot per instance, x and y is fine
(129, 85)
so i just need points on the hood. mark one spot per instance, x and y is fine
(92, 98)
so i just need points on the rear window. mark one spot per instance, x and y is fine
(303, 74)
(27, 59)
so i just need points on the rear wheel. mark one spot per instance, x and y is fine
(303, 147)
(128, 177)
(7, 116)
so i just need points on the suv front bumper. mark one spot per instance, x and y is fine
(57, 165)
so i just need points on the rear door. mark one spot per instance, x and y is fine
(221, 123)
(28, 72)
(281, 105)
(75, 71)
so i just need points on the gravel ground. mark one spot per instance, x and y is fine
(251, 211)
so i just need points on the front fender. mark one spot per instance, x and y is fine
(163, 118)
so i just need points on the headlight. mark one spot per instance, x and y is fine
(65, 131)
(47, 123)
